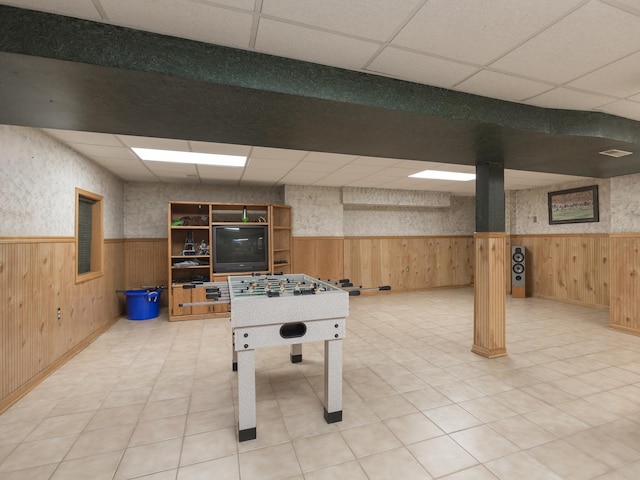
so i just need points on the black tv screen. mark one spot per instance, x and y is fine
(240, 249)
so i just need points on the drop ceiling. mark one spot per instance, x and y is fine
(556, 54)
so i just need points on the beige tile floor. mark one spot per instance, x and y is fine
(156, 400)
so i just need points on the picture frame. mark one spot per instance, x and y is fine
(575, 205)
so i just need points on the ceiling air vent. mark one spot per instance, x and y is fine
(614, 152)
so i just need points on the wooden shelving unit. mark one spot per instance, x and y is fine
(190, 249)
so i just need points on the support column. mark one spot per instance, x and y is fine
(489, 312)
(489, 315)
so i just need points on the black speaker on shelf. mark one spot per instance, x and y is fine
(518, 272)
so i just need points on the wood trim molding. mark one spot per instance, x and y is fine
(385, 237)
(17, 240)
(144, 240)
(619, 328)
(580, 235)
(625, 235)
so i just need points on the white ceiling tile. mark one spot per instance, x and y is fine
(265, 174)
(336, 180)
(72, 8)
(394, 172)
(569, 99)
(449, 167)
(183, 18)
(103, 151)
(302, 178)
(620, 79)
(327, 157)
(277, 153)
(264, 163)
(409, 166)
(478, 32)
(360, 170)
(353, 17)
(366, 182)
(504, 87)
(151, 142)
(69, 136)
(375, 161)
(175, 169)
(219, 148)
(314, 167)
(179, 179)
(134, 166)
(243, 4)
(519, 179)
(209, 172)
(623, 108)
(315, 46)
(604, 34)
(419, 68)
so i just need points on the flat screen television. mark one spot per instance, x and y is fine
(240, 248)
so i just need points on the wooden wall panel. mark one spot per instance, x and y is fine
(624, 312)
(145, 262)
(36, 278)
(319, 257)
(409, 263)
(568, 268)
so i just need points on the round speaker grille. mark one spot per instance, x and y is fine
(518, 257)
(518, 268)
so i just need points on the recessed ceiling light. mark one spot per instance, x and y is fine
(614, 152)
(174, 156)
(442, 175)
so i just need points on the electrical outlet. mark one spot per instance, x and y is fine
(59, 313)
(406, 269)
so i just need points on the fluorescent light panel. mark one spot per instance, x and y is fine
(442, 175)
(614, 152)
(174, 156)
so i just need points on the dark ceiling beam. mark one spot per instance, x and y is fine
(66, 73)
(41, 34)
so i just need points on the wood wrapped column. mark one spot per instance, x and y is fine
(624, 311)
(489, 315)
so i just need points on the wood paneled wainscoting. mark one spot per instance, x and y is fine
(624, 313)
(145, 264)
(404, 263)
(37, 276)
(319, 257)
(571, 268)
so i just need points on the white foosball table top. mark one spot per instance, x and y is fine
(267, 299)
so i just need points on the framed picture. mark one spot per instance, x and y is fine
(576, 205)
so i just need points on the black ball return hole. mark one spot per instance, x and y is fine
(293, 330)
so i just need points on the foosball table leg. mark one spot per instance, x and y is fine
(246, 395)
(234, 355)
(296, 353)
(333, 380)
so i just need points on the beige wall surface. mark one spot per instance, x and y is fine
(625, 204)
(145, 204)
(321, 212)
(530, 212)
(38, 178)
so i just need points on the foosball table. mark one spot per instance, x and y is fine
(277, 310)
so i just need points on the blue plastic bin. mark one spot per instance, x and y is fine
(143, 304)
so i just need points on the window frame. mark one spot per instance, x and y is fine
(97, 236)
